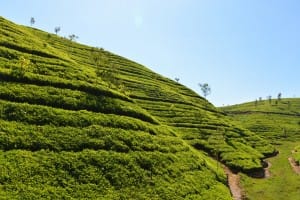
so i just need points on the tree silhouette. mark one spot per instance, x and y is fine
(73, 37)
(32, 21)
(279, 96)
(57, 29)
(205, 89)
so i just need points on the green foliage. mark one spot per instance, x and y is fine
(274, 122)
(19, 70)
(283, 182)
(84, 123)
(296, 154)
(14, 135)
(71, 100)
(104, 174)
(278, 123)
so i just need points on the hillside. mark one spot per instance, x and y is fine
(278, 121)
(81, 122)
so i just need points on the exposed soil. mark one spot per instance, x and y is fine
(234, 184)
(233, 180)
(294, 165)
(267, 170)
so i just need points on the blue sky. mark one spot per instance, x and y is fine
(243, 49)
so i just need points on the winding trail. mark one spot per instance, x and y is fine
(267, 170)
(233, 179)
(295, 167)
(234, 184)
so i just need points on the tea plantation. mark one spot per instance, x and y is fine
(278, 121)
(79, 122)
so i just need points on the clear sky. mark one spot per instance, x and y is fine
(244, 49)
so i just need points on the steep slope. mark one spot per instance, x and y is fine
(81, 122)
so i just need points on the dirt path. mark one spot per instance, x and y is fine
(295, 167)
(234, 184)
(267, 170)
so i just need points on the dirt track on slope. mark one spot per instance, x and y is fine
(233, 179)
(267, 170)
(295, 167)
(234, 184)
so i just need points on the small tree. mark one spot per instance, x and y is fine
(255, 102)
(279, 96)
(32, 21)
(57, 29)
(205, 89)
(177, 79)
(73, 37)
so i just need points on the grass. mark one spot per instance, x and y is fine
(279, 123)
(283, 183)
(296, 154)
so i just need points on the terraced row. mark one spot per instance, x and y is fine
(272, 121)
(70, 99)
(234, 146)
(81, 122)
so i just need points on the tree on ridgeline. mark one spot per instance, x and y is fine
(206, 90)
(57, 29)
(73, 37)
(279, 96)
(32, 21)
(177, 79)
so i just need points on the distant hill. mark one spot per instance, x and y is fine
(79, 122)
(274, 119)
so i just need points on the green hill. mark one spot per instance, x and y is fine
(274, 120)
(278, 121)
(79, 122)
